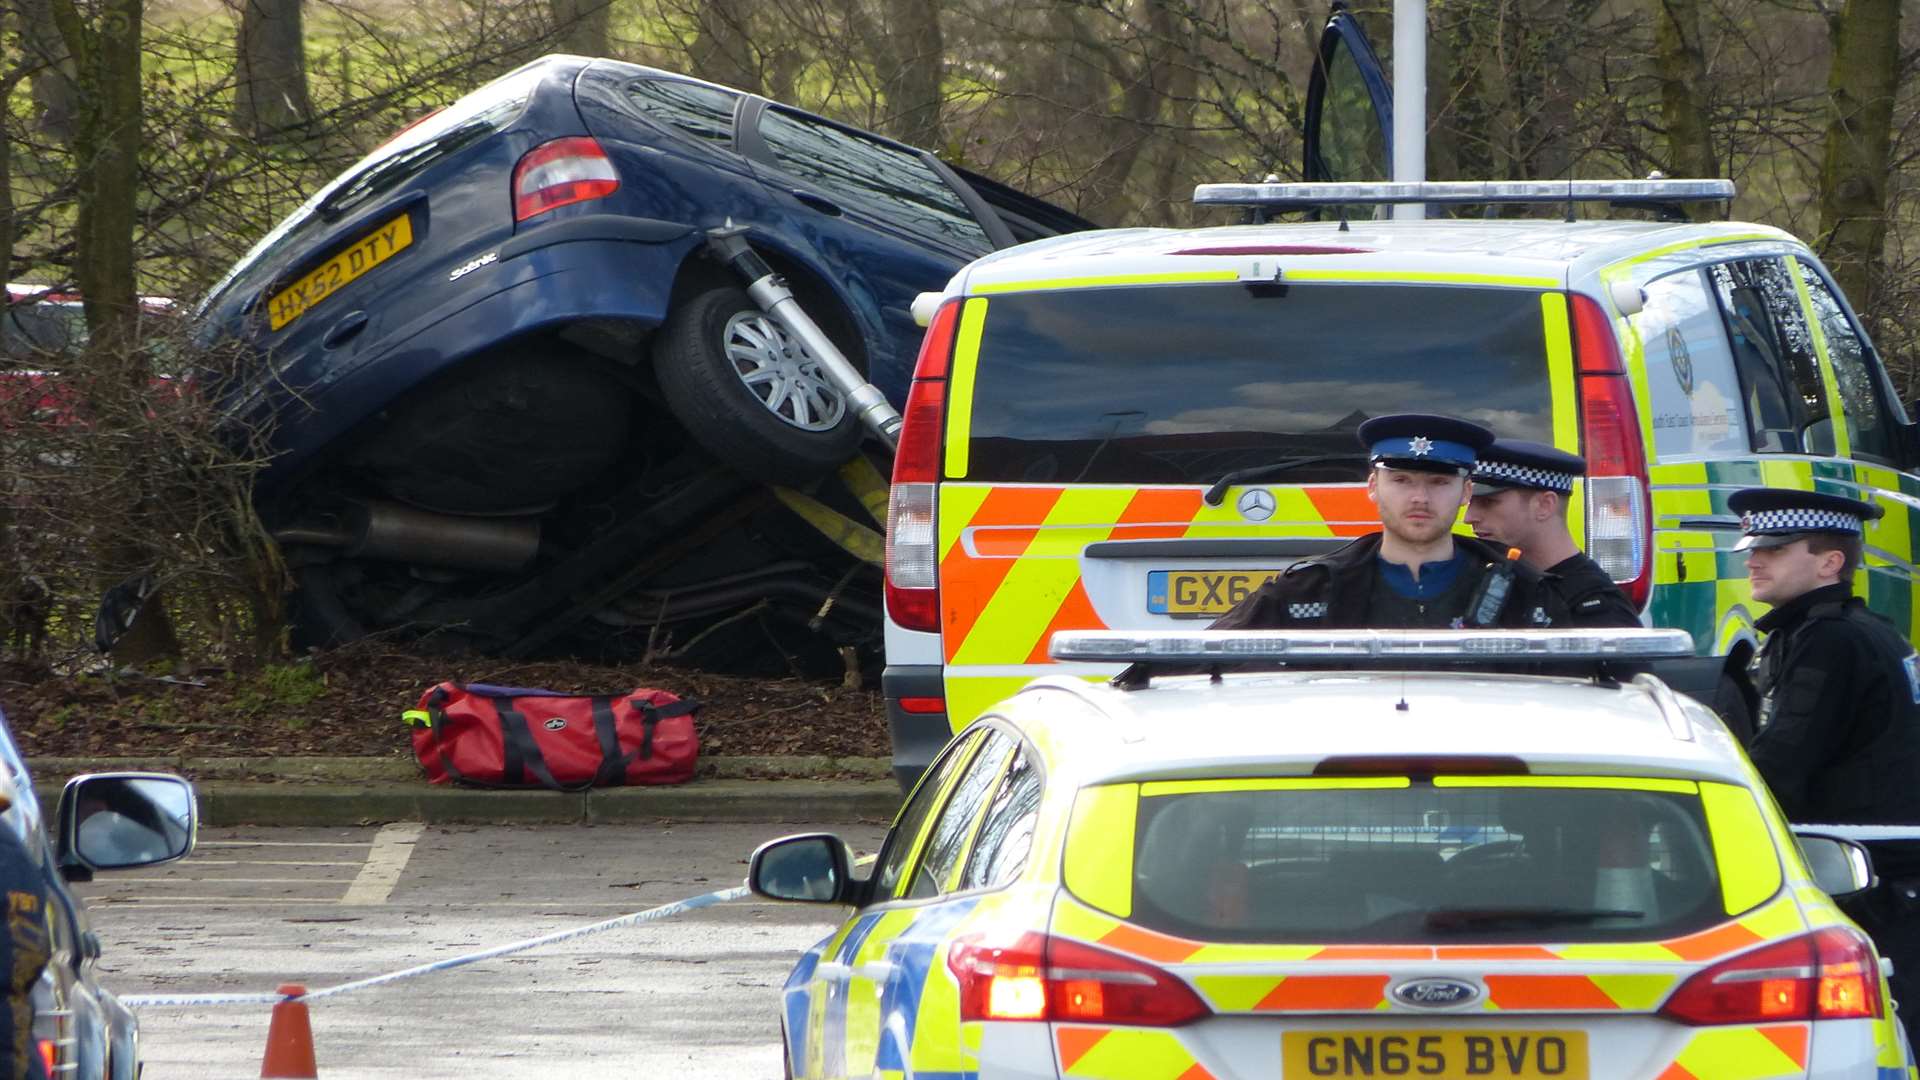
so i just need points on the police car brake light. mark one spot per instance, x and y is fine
(1830, 974)
(1041, 978)
(1421, 765)
(1307, 195)
(1229, 647)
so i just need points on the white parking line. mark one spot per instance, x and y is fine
(392, 847)
(283, 843)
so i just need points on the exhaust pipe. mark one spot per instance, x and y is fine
(729, 244)
(390, 532)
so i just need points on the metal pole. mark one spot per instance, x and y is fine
(1409, 101)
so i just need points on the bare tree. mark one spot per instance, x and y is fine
(581, 26)
(1855, 166)
(270, 69)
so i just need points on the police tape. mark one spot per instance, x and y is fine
(654, 914)
(664, 911)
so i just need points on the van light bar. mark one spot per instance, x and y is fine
(1319, 646)
(1463, 191)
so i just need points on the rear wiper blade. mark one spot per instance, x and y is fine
(1478, 918)
(387, 171)
(1261, 472)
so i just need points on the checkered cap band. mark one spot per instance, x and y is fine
(1760, 522)
(1528, 476)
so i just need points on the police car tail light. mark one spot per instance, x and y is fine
(1830, 974)
(559, 172)
(1619, 515)
(913, 542)
(1049, 979)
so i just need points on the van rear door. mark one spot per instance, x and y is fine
(1086, 425)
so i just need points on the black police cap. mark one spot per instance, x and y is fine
(1424, 442)
(1772, 517)
(1517, 463)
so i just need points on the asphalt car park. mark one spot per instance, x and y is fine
(692, 996)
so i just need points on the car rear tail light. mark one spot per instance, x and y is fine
(923, 705)
(913, 540)
(563, 171)
(1619, 513)
(1054, 980)
(1830, 974)
(1423, 765)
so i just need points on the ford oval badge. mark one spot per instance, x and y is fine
(1435, 993)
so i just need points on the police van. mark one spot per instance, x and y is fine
(1132, 429)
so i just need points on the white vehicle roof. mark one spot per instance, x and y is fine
(1286, 723)
(1558, 250)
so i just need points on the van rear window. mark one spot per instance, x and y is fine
(1181, 384)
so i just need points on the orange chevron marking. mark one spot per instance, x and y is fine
(1198, 1072)
(1324, 993)
(1146, 517)
(1548, 992)
(1346, 510)
(1075, 613)
(1074, 1042)
(1676, 1072)
(1158, 947)
(1791, 1039)
(967, 584)
(1711, 943)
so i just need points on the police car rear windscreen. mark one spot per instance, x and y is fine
(1183, 384)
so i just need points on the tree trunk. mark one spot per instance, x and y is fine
(912, 58)
(49, 70)
(270, 69)
(1855, 166)
(581, 26)
(1680, 66)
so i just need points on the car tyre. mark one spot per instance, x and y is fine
(748, 394)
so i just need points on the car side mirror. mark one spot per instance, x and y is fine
(116, 821)
(1840, 867)
(813, 868)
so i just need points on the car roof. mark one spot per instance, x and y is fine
(1523, 248)
(1286, 723)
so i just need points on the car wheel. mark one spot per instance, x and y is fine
(748, 393)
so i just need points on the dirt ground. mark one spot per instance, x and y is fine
(349, 701)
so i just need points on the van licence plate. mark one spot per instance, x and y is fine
(385, 241)
(1498, 1055)
(1197, 593)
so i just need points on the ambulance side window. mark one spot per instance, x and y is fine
(948, 838)
(1773, 350)
(1006, 836)
(1693, 390)
(1869, 432)
(913, 819)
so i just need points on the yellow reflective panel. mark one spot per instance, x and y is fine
(960, 373)
(1612, 783)
(1099, 859)
(1743, 846)
(1271, 783)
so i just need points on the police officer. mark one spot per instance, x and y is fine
(1415, 572)
(1839, 722)
(25, 948)
(1520, 493)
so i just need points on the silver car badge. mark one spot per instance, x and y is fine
(1436, 993)
(1256, 504)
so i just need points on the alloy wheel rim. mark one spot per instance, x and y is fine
(782, 375)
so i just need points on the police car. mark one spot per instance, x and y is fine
(1408, 853)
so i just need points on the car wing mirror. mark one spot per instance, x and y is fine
(812, 868)
(116, 821)
(1840, 867)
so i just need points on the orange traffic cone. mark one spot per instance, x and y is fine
(290, 1039)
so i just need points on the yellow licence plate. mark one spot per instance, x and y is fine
(366, 253)
(1201, 592)
(1500, 1055)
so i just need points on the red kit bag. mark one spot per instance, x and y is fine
(507, 737)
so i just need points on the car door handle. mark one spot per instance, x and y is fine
(818, 202)
(344, 330)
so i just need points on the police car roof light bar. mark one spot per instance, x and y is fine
(1305, 196)
(1367, 648)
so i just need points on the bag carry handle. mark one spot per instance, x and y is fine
(613, 763)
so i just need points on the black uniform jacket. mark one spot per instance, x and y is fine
(1333, 592)
(1839, 723)
(1591, 597)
